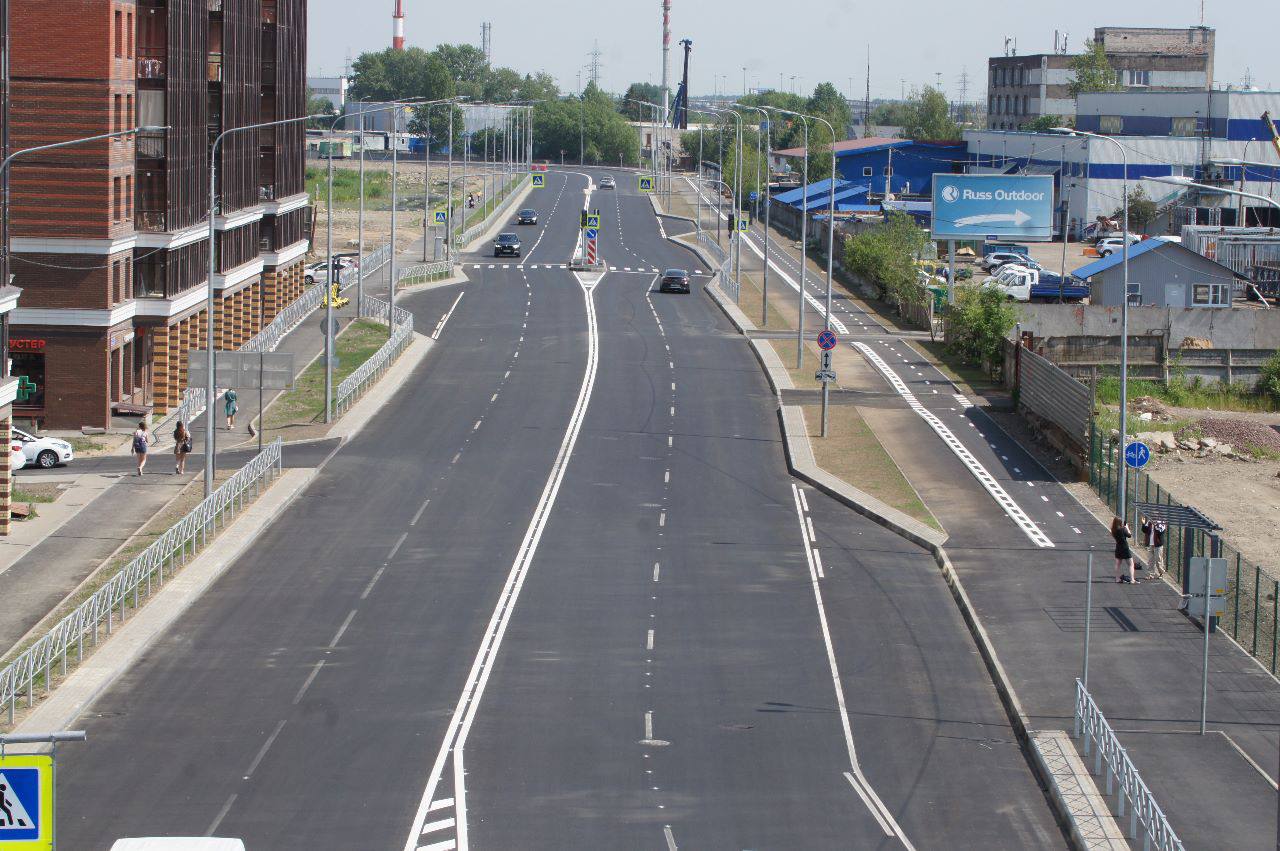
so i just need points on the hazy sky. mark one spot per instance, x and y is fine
(815, 40)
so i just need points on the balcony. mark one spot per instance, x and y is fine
(152, 64)
(267, 193)
(215, 5)
(150, 221)
(268, 11)
(152, 146)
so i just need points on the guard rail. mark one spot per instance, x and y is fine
(35, 664)
(368, 373)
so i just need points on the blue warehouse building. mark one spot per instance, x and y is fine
(900, 166)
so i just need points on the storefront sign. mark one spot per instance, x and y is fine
(26, 345)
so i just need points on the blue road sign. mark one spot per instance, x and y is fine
(646, 184)
(753, 196)
(26, 802)
(441, 218)
(1137, 455)
(539, 180)
(592, 233)
(827, 341)
(974, 206)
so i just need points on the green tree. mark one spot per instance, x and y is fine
(930, 118)
(466, 64)
(319, 106)
(978, 325)
(892, 114)
(640, 92)
(1269, 379)
(399, 74)
(1142, 210)
(1046, 123)
(831, 105)
(1092, 71)
(592, 121)
(885, 255)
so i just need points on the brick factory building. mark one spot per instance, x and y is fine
(109, 242)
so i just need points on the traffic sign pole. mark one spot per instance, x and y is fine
(827, 341)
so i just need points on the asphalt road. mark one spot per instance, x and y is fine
(562, 593)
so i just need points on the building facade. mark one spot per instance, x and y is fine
(1021, 89)
(110, 240)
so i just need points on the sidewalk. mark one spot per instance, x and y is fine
(1218, 790)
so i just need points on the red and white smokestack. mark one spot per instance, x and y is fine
(397, 27)
(666, 60)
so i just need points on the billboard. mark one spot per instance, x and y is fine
(1001, 206)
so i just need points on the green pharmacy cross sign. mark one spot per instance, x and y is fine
(26, 388)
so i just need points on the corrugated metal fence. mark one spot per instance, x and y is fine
(1049, 392)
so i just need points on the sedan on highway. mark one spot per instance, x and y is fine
(508, 244)
(606, 182)
(674, 281)
(527, 217)
(43, 452)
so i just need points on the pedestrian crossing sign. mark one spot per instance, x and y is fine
(441, 218)
(26, 802)
(593, 221)
(539, 181)
(744, 224)
(646, 184)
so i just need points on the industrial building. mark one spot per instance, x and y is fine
(1021, 89)
(885, 166)
(110, 241)
(1161, 274)
(332, 89)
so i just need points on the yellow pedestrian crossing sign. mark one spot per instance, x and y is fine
(539, 181)
(441, 218)
(26, 802)
(646, 184)
(744, 224)
(593, 222)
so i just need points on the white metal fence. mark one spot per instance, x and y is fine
(368, 373)
(34, 666)
(1096, 736)
(432, 271)
(286, 320)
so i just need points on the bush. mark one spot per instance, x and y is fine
(978, 325)
(885, 255)
(1269, 380)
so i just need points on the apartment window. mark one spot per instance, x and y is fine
(129, 35)
(1211, 295)
(119, 34)
(129, 114)
(1137, 78)
(1112, 124)
(117, 198)
(868, 171)
(888, 171)
(1026, 102)
(127, 279)
(115, 281)
(1183, 127)
(117, 112)
(128, 197)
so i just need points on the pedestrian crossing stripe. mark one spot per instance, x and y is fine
(26, 802)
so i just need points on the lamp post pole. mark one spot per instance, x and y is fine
(804, 232)
(210, 329)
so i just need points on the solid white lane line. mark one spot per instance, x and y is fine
(460, 797)
(817, 562)
(988, 482)
(418, 516)
(372, 582)
(262, 752)
(473, 690)
(306, 685)
(870, 797)
(866, 799)
(396, 548)
(222, 813)
(342, 629)
(445, 320)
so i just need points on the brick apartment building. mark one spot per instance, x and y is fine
(109, 242)
(1020, 89)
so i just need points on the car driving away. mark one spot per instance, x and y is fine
(674, 281)
(527, 217)
(43, 452)
(606, 182)
(507, 244)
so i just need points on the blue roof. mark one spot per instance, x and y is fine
(791, 196)
(820, 194)
(910, 206)
(1105, 263)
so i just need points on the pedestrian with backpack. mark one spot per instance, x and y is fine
(181, 448)
(141, 442)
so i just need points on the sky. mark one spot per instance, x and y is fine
(911, 41)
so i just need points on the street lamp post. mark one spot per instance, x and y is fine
(1122, 493)
(210, 432)
(804, 232)
(768, 140)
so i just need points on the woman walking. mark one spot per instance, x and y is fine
(141, 442)
(231, 407)
(181, 448)
(1124, 556)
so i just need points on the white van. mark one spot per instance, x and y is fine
(178, 843)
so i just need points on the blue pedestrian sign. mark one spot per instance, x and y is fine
(592, 233)
(827, 341)
(440, 217)
(26, 802)
(646, 184)
(753, 196)
(1136, 455)
(744, 224)
(977, 206)
(539, 181)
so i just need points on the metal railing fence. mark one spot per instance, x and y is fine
(1253, 603)
(286, 320)
(368, 373)
(433, 271)
(34, 666)
(506, 196)
(1097, 737)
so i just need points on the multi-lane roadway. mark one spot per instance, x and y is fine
(562, 593)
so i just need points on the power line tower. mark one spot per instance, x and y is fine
(486, 42)
(866, 104)
(594, 65)
(963, 108)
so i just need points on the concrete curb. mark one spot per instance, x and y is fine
(132, 639)
(1075, 795)
(358, 415)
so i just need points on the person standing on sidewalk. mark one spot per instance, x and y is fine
(181, 448)
(141, 442)
(1153, 536)
(231, 407)
(1124, 556)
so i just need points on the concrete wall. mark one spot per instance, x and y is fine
(1236, 328)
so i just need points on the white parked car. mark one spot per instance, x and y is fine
(1112, 244)
(16, 459)
(318, 273)
(43, 452)
(996, 259)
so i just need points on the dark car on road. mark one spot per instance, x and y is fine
(527, 217)
(506, 244)
(674, 281)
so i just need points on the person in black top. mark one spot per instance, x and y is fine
(1153, 536)
(1124, 556)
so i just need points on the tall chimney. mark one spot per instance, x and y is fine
(397, 27)
(666, 60)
